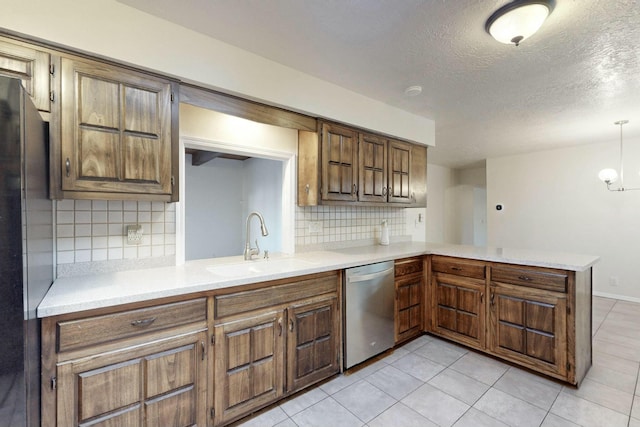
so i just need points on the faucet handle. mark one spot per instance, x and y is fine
(266, 254)
(257, 247)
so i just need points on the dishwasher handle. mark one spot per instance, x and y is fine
(364, 277)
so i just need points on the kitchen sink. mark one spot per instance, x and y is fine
(251, 268)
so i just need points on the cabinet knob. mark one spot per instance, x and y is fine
(67, 166)
(384, 191)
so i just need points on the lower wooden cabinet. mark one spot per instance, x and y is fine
(274, 340)
(248, 364)
(409, 308)
(538, 318)
(160, 384)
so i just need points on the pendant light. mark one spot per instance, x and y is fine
(518, 20)
(609, 176)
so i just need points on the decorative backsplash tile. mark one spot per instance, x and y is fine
(95, 230)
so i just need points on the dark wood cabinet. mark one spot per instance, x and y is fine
(409, 307)
(248, 365)
(536, 317)
(313, 342)
(458, 289)
(349, 167)
(31, 65)
(273, 340)
(153, 377)
(116, 133)
(340, 163)
(529, 324)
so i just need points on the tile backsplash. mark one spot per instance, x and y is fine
(91, 234)
(95, 230)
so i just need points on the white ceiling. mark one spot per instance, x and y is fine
(564, 86)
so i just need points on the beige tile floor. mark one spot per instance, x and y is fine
(430, 382)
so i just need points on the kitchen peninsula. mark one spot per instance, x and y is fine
(213, 340)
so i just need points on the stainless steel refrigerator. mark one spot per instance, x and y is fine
(26, 252)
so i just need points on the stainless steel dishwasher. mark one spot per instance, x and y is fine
(369, 295)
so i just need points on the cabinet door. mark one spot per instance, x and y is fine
(399, 172)
(418, 176)
(373, 185)
(339, 163)
(115, 130)
(31, 66)
(248, 365)
(157, 385)
(313, 342)
(409, 307)
(459, 308)
(529, 326)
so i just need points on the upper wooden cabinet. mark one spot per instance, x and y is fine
(116, 133)
(29, 64)
(345, 166)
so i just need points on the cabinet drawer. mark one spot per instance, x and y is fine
(548, 280)
(73, 334)
(277, 294)
(459, 267)
(408, 266)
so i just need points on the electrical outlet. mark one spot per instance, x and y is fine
(315, 227)
(134, 234)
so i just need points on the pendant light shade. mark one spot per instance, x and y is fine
(608, 175)
(518, 20)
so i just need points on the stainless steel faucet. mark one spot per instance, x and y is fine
(248, 250)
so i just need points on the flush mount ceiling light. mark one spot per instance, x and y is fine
(413, 90)
(518, 20)
(609, 176)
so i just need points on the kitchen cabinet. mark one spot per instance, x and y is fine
(458, 288)
(138, 367)
(409, 308)
(536, 317)
(31, 65)
(273, 340)
(345, 166)
(528, 321)
(114, 133)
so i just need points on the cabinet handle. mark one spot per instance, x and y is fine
(203, 349)
(143, 322)
(67, 166)
(280, 326)
(290, 325)
(355, 189)
(456, 268)
(481, 297)
(525, 278)
(384, 191)
(491, 298)
(307, 188)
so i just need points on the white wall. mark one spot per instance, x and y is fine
(214, 225)
(117, 31)
(438, 226)
(263, 193)
(553, 200)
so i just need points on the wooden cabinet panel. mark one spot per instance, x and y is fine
(459, 309)
(249, 364)
(31, 66)
(158, 384)
(529, 326)
(115, 131)
(409, 308)
(313, 344)
(458, 267)
(399, 172)
(551, 280)
(372, 169)
(340, 164)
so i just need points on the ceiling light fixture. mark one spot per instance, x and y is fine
(609, 176)
(518, 20)
(413, 90)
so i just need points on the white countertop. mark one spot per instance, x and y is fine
(72, 294)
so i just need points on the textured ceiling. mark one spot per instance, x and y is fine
(564, 86)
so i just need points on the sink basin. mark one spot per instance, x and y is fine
(251, 268)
